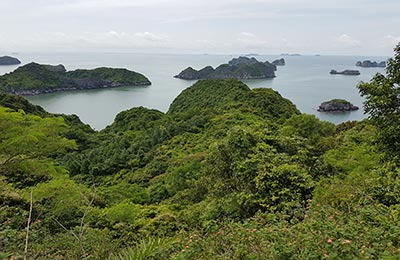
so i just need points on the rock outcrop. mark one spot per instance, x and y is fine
(7, 60)
(337, 105)
(279, 62)
(371, 64)
(346, 72)
(238, 68)
(35, 79)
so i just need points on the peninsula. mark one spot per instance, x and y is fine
(35, 79)
(238, 68)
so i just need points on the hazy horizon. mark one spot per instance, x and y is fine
(267, 27)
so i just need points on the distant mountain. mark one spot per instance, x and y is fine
(371, 64)
(346, 72)
(238, 68)
(7, 60)
(34, 79)
(290, 54)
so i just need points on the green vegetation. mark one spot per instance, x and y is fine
(35, 78)
(382, 103)
(120, 76)
(227, 173)
(342, 101)
(237, 68)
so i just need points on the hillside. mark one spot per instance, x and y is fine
(34, 79)
(226, 173)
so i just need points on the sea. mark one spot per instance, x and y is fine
(305, 80)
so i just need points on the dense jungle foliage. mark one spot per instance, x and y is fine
(226, 173)
(39, 77)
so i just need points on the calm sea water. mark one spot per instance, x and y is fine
(305, 80)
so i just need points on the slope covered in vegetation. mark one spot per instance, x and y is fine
(33, 79)
(226, 173)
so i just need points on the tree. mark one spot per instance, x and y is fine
(382, 103)
(26, 144)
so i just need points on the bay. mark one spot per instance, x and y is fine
(305, 80)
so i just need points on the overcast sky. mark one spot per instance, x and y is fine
(364, 27)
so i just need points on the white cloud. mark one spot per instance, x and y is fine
(391, 41)
(86, 4)
(247, 34)
(149, 36)
(116, 34)
(347, 41)
(250, 40)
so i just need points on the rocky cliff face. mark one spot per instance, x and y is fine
(7, 60)
(370, 64)
(243, 61)
(238, 68)
(279, 62)
(337, 105)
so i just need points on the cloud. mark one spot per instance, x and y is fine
(89, 4)
(347, 41)
(115, 34)
(391, 41)
(250, 40)
(247, 34)
(150, 36)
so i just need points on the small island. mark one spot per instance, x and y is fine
(346, 72)
(337, 105)
(371, 64)
(291, 54)
(7, 60)
(279, 62)
(238, 68)
(35, 79)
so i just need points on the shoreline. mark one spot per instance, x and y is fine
(37, 92)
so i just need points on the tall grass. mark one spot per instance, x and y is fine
(144, 249)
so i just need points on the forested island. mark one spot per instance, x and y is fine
(371, 64)
(35, 79)
(228, 172)
(8, 60)
(238, 68)
(337, 105)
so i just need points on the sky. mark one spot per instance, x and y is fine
(339, 27)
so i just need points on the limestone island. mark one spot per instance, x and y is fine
(371, 64)
(7, 60)
(337, 105)
(291, 54)
(279, 62)
(35, 79)
(346, 72)
(238, 68)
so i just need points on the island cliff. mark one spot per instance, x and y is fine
(279, 62)
(238, 68)
(7, 60)
(337, 105)
(371, 64)
(35, 79)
